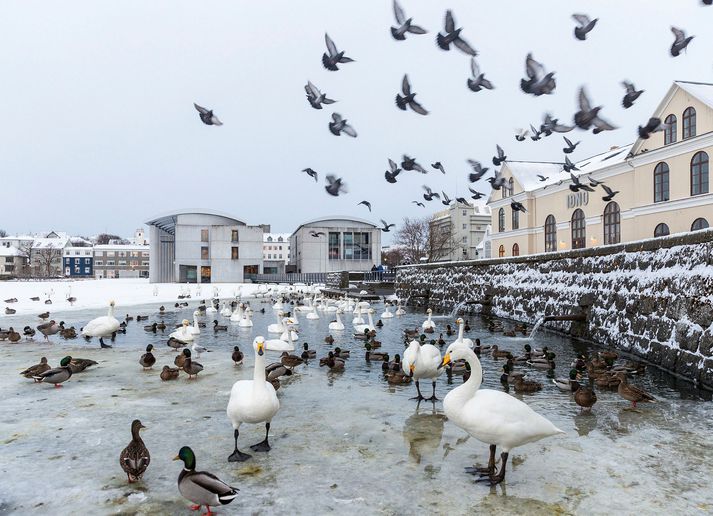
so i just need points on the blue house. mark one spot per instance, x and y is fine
(78, 262)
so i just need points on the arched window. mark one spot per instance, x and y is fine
(612, 223)
(689, 123)
(515, 250)
(511, 186)
(669, 134)
(515, 219)
(699, 223)
(501, 251)
(699, 173)
(661, 230)
(501, 220)
(661, 182)
(550, 234)
(579, 230)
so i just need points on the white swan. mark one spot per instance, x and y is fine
(387, 313)
(252, 401)
(338, 324)
(312, 315)
(278, 304)
(422, 362)
(467, 342)
(237, 314)
(246, 321)
(277, 327)
(360, 328)
(211, 307)
(428, 323)
(492, 417)
(195, 329)
(289, 334)
(307, 307)
(226, 311)
(103, 326)
(293, 319)
(399, 308)
(183, 333)
(358, 319)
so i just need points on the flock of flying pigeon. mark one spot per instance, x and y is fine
(539, 81)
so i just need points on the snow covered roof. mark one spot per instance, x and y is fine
(50, 243)
(9, 251)
(703, 91)
(121, 247)
(276, 237)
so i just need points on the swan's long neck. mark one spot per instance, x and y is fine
(339, 320)
(429, 317)
(110, 313)
(476, 373)
(460, 331)
(259, 374)
(371, 321)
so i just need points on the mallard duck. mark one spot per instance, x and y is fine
(176, 343)
(585, 397)
(201, 487)
(341, 353)
(13, 336)
(509, 333)
(290, 360)
(128, 318)
(48, 328)
(394, 365)
(237, 356)
(135, 458)
(467, 325)
(580, 363)
(482, 347)
(543, 363)
(496, 352)
(566, 384)
(56, 375)
(219, 327)
(35, 298)
(161, 325)
(607, 381)
(10, 311)
(379, 324)
(397, 378)
(151, 327)
(147, 360)
(609, 356)
(190, 367)
(375, 344)
(44, 316)
(632, 393)
(329, 339)
(169, 373)
(80, 364)
(140, 318)
(11, 300)
(29, 333)
(37, 369)
(179, 360)
(161, 309)
(334, 364)
(522, 385)
(441, 341)
(275, 370)
(375, 356)
(449, 330)
(412, 333)
(308, 353)
(68, 333)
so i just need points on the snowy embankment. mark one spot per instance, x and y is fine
(93, 294)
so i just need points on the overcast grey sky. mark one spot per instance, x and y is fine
(99, 131)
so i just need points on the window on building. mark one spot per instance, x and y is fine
(145, 254)
(234, 254)
(109, 253)
(661, 182)
(98, 262)
(122, 262)
(579, 230)
(333, 250)
(134, 263)
(661, 230)
(234, 235)
(689, 123)
(698, 224)
(269, 256)
(110, 263)
(144, 264)
(515, 250)
(204, 235)
(501, 220)
(122, 254)
(465, 213)
(465, 226)
(501, 251)
(134, 254)
(699, 173)
(205, 254)
(550, 234)
(669, 134)
(86, 270)
(612, 223)
(87, 261)
(465, 239)
(515, 219)
(511, 187)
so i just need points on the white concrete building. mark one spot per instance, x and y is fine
(275, 252)
(12, 261)
(335, 244)
(203, 246)
(458, 232)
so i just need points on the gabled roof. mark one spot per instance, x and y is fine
(50, 243)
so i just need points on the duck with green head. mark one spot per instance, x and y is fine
(57, 375)
(201, 487)
(147, 360)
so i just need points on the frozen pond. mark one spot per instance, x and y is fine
(342, 443)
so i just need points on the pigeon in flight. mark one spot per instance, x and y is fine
(365, 203)
(417, 203)
(339, 125)
(411, 164)
(462, 200)
(551, 125)
(335, 185)
(478, 81)
(497, 181)
(311, 173)
(315, 97)
(542, 178)
(631, 94)
(568, 165)
(707, 2)
(476, 194)
(538, 82)
(438, 166)
(681, 41)
(652, 126)
(394, 171)
(535, 134)
(593, 182)
(404, 24)
(408, 98)
(521, 135)
(577, 185)
(330, 61)
(569, 149)
(452, 35)
(207, 116)
(316, 234)
(429, 195)
(446, 200)
(584, 25)
(387, 227)
(610, 193)
(588, 116)
(517, 206)
(500, 158)
(478, 170)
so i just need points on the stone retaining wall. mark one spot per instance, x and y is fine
(652, 298)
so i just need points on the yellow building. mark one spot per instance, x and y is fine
(663, 184)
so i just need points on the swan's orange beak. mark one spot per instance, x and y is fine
(411, 368)
(446, 360)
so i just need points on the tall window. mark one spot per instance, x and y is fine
(511, 186)
(333, 252)
(700, 223)
(204, 235)
(699, 173)
(689, 123)
(356, 246)
(550, 234)
(515, 219)
(205, 255)
(234, 253)
(612, 223)
(501, 251)
(669, 134)
(501, 220)
(515, 250)
(234, 235)
(579, 230)
(661, 182)
(661, 230)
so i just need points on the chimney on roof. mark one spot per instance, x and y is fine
(613, 147)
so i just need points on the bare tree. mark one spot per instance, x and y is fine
(46, 260)
(441, 242)
(412, 236)
(105, 238)
(3, 233)
(392, 257)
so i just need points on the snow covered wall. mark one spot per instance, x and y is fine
(651, 298)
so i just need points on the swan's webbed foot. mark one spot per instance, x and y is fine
(432, 398)
(419, 398)
(238, 456)
(472, 470)
(262, 446)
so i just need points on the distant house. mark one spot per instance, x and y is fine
(78, 262)
(121, 261)
(275, 252)
(46, 254)
(12, 261)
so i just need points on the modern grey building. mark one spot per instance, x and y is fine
(335, 244)
(458, 232)
(203, 246)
